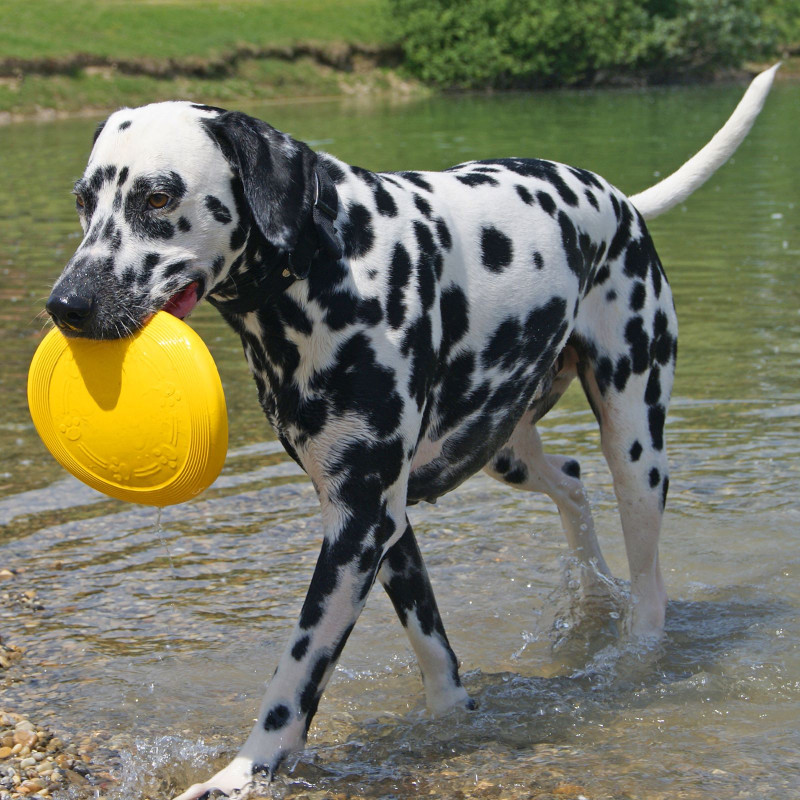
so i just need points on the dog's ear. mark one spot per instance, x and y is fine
(277, 174)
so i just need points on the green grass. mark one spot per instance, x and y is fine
(190, 30)
(162, 29)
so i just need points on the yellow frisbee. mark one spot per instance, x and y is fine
(141, 419)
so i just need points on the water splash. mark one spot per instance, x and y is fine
(588, 610)
(161, 767)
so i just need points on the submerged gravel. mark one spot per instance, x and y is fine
(34, 762)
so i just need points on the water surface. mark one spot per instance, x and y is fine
(158, 649)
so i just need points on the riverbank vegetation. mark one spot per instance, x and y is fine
(84, 55)
(546, 43)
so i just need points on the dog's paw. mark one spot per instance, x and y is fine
(445, 700)
(233, 781)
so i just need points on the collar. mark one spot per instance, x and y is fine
(326, 209)
(249, 291)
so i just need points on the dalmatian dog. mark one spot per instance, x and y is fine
(404, 330)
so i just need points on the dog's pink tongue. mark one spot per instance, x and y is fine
(180, 304)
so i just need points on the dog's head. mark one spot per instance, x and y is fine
(172, 196)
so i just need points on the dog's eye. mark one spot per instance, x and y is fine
(158, 200)
(80, 202)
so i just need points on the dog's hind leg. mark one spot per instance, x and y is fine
(523, 464)
(627, 369)
(632, 442)
(405, 579)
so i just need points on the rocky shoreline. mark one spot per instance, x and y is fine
(34, 762)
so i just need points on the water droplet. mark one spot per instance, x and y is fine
(160, 531)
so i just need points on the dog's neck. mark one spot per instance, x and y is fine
(263, 271)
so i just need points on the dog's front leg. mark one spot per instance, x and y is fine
(359, 529)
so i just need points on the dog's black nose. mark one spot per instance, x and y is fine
(69, 310)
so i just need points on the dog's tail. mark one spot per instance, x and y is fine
(700, 167)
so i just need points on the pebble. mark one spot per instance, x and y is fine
(9, 653)
(34, 763)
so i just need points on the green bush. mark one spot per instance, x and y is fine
(523, 43)
(784, 17)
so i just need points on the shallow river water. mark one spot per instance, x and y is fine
(157, 647)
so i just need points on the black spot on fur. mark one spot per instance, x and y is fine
(503, 346)
(543, 170)
(654, 478)
(148, 265)
(385, 202)
(429, 264)
(300, 648)
(370, 178)
(572, 468)
(176, 268)
(455, 318)
(457, 398)
(640, 344)
(656, 417)
(546, 202)
(476, 179)
(572, 248)
(664, 345)
(637, 259)
(276, 718)
(517, 475)
(293, 315)
(546, 321)
(502, 463)
(124, 125)
(496, 249)
(601, 276)
(399, 275)
(586, 177)
(636, 451)
(184, 226)
(603, 373)
(309, 697)
(417, 180)
(622, 373)
(423, 206)
(524, 195)
(445, 239)
(638, 296)
(357, 231)
(219, 211)
(623, 234)
(418, 343)
(652, 393)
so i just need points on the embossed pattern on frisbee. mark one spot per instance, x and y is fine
(141, 419)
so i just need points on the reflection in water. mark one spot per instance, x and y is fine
(157, 651)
